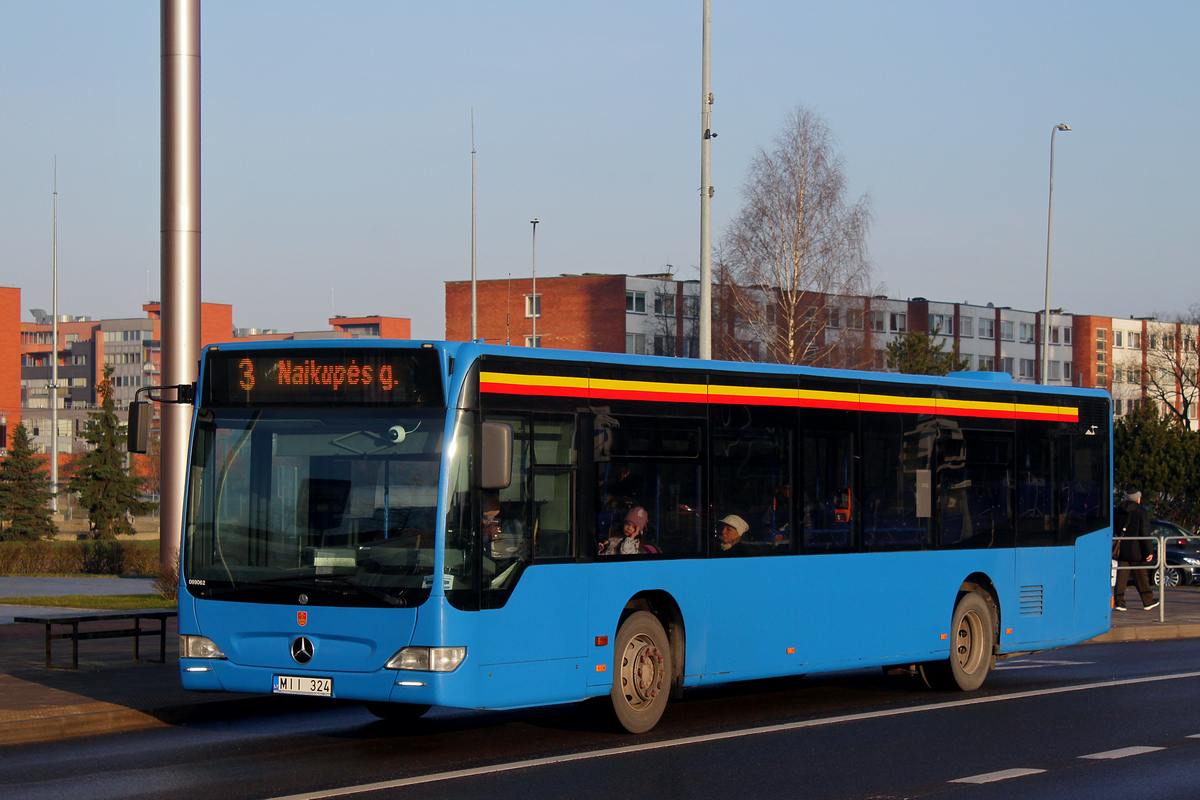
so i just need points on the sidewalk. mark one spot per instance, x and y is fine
(111, 692)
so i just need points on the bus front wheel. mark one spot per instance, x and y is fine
(641, 672)
(972, 633)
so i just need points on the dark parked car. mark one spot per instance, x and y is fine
(1183, 569)
(1175, 535)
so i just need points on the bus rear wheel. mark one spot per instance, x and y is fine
(641, 672)
(972, 633)
(397, 712)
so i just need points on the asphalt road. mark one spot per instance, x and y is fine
(1096, 721)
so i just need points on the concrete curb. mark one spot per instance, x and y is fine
(1146, 633)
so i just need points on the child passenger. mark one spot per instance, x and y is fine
(630, 542)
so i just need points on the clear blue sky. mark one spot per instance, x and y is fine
(337, 145)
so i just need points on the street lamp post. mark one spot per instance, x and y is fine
(533, 299)
(1049, 224)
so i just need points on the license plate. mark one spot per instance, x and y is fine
(298, 684)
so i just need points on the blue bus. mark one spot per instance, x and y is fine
(411, 524)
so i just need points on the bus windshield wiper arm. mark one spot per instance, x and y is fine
(324, 583)
(369, 591)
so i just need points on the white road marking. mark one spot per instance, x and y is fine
(1035, 664)
(716, 737)
(1124, 751)
(992, 777)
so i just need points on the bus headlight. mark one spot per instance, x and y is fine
(198, 647)
(428, 659)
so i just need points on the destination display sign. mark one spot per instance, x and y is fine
(322, 376)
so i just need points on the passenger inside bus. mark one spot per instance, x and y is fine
(730, 531)
(629, 541)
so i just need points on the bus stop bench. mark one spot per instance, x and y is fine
(132, 626)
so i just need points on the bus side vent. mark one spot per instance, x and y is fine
(1031, 601)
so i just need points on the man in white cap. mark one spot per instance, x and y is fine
(729, 533)
(1132, 520)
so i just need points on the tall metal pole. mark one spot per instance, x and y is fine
(474, 294)
(533, 300)
(180, 250)
(706, 193)
(54, 362)
(1049, 224)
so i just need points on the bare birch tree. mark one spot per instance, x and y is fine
(796, 254)
(1168, 374)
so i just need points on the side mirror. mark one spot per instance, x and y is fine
(495, 455)
(141, 414)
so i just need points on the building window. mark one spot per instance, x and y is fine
(635, 344)
(877, 321)
(1026, 332)
(1100, 369)
(1066, 335)
(1117, 339)
(1055, 371)
(987, 363)
(1118, 375)
(664, 345)
(833, 317)
(533, 341)
(899, 323)
(529, 306)
(664, 304)
(691, 306)
(966, 326)
(987, 328)
(1027, 370)
(943, 324)
(635, 302)
(1006, 365)
(1118, 407)
(1067, 370)
(1135, 340)
(1006, 330)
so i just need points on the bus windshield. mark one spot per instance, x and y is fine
(337, 504)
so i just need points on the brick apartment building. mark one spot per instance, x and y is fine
(657, 314)
(132, 346)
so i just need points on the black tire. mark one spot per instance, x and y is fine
(641, 672)
(397, 712)
(972, 634)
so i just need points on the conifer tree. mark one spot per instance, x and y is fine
(105, 487)
(25, 492)
(920, 353)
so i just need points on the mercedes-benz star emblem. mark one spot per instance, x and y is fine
(302, 649)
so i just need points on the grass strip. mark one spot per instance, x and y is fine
(112, 602)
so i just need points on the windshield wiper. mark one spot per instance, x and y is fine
(338, 583)
(344, 579)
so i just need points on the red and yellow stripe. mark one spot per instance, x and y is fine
(652, 391)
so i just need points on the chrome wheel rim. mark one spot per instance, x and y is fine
(641, 671)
